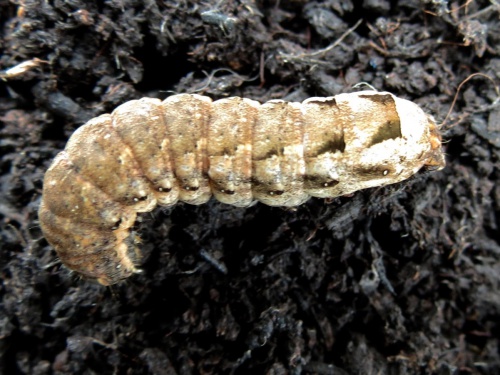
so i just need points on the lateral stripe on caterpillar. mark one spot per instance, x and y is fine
(188, 148)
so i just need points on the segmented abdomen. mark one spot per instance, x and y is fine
(188, 148)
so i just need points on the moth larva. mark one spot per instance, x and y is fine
(188, 148)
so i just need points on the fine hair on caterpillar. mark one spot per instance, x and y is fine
(189, 148)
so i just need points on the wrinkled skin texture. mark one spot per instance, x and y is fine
(188, 148)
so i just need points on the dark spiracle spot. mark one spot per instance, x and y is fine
(330, 183)
(117, 224)
(371, 172)
(191, 188)
(164, 190)
(276, 192)
(228, 192)
(315, 182)
(140, 199)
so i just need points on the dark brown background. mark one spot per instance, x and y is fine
(397, 280)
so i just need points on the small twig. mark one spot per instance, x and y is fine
(20, 69)
(378, 48)
(460, 87)
(322, 52)
(362, 84)
(488, 10)
(261, 70)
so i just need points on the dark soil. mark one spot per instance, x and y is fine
(397, 280)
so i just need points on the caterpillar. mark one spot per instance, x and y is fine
(188, 148)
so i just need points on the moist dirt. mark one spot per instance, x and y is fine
(396, 280)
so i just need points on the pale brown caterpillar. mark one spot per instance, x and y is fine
(188, 148)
